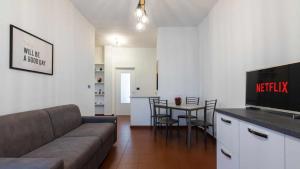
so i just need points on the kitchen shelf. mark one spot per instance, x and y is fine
(99, 105)
(99, 88)
(99, 94)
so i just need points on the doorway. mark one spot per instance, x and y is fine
(125, 83)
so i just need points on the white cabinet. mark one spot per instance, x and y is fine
(292, 152)
(227, 142)
(228, 132)
(243, 145)
(226, 159)
(260, 148)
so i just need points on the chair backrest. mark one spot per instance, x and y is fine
(192, 100)
(152, 100)
(210, 107)
(161, 102)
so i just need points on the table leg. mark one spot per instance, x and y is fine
(154, 120)
(189, 129)
(205, 129)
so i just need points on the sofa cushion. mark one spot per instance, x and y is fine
(21, 133)
(31, 163)
(102, 130)
(64, 118)
(74, 151)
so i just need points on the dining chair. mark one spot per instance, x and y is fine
(191, 101)
(166, 121)
(210, 107)
(153, 116)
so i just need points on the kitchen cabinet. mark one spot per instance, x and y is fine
(243, 145)
(292, 152)
(226, 159)
(260, 148)
(227, 142)
(228, 132)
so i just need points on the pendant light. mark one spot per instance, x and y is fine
(141, 15)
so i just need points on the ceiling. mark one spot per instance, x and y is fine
(117, 17)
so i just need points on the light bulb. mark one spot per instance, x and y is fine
(140, 26)
(139, 12)
(145, 19)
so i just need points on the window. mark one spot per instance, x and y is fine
(125, 87)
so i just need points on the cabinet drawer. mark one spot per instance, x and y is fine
(260, 148)
(292, 151)
(228, 132)
(226, 159)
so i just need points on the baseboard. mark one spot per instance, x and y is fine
(103, 115)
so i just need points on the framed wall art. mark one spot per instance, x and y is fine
(29, 52)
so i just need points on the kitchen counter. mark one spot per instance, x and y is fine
(276, 121)
(140, 111)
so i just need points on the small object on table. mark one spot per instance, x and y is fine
(100, 80)
(178, 101)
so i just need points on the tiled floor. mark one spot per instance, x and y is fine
(137, 148)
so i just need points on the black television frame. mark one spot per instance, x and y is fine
(265, 107)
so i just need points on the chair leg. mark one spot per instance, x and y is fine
(170, 130)
(197, 134)
(205, 134)
(167, 133)
(186, 134)
(178, 130)
(178, 133)
(213, 130)
(154, 125)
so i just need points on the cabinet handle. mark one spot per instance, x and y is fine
(225, 154)
(258, 133)
(226, 121)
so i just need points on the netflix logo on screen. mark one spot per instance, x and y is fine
(275, 87)
(272, 87)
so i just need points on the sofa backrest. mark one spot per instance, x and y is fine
(64, 119)
(21, 133)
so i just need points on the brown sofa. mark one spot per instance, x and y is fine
(55, 138)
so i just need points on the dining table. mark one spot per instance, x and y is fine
(189, 108)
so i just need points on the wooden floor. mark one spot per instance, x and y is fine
(138, 148)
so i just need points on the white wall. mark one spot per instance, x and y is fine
(178, 62)
(59, 22)
(99, 55)
(242, 35)
(143, 60)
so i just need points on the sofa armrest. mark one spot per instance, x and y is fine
(99, 119)
(31, 163)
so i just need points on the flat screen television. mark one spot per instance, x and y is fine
(277, 87)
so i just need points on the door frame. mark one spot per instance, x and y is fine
(115, 84)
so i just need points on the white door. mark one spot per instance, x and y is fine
(124, 89)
